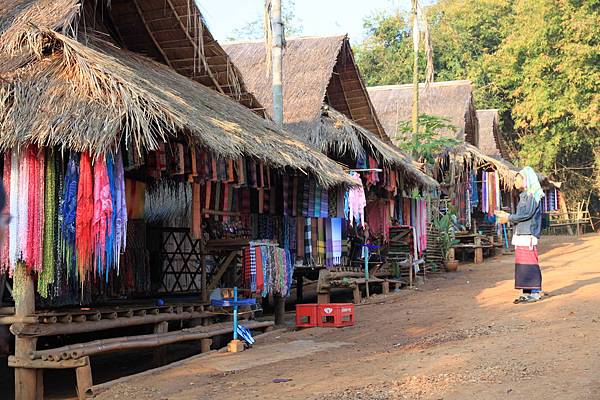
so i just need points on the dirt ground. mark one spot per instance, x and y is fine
(457, 337)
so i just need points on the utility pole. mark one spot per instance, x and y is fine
(276, 62)
(277, 54)
(415, 97)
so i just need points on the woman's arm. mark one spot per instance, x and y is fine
(524, 213)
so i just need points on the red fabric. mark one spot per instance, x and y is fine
(32, 253)
(523, 255)
(84, 216)
(260, 279)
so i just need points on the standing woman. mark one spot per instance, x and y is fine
(528, 221)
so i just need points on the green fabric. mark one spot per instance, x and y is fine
(532, 183)
(46, 277)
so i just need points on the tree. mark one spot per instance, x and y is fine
(254, 29)
(538, 61)
(429, 141)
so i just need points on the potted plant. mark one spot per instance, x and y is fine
(445, 227)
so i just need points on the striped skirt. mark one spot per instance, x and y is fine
(527, 270)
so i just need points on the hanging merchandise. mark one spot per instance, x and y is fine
(102, 216)
(47, 276)
(67, 216)
(356, 202)
(267, 268)
(85, 214)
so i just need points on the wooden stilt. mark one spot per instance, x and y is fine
(27, 381)
(357, 295)
(205, 345)
(279, 302)
(84, 379)
(385, 287)
(323, 298)
(478, 251)
(160, 353)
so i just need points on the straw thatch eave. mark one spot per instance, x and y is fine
(452, 100)
(339, 135)
(86, 98)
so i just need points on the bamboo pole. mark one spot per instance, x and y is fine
(139, 342)
(38, 330)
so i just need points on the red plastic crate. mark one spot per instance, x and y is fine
(306, 315)
(336, 315)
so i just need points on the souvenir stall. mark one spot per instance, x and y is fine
(88, 130)
(395, 193)
(474, 185)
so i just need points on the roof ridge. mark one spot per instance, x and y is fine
(287, 39)
(435, 84)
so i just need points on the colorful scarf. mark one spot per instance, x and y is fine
(102, 215)
(321, 240)
(85, 214)
(46, 277)
(68, 212)
(328, 244)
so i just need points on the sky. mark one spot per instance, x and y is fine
(319, 17)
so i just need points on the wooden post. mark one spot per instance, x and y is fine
(478, 250)
(279, 309)
(323, 298)
(385, 287)
(205, 345)
(299, 289)
(84, 379)
(160, 353)
(28, 382)
(357, 294)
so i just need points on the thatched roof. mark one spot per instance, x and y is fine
(339, 135)
(490, 137)
(174, 33)
(316, 71)
(70, 95)
(453, 100)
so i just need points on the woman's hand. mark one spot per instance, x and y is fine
(501, 216)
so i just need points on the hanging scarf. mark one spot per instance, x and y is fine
(6, 264)
(328, 244)
(308, 241)
(356, 201)
(85, 213)
(22, 209)
(69, 212)
(102, 215)
(120, 211)
(321, 240)
(111, 231)
(324, 203)
(46, 277)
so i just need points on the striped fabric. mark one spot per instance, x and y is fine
(527, 270)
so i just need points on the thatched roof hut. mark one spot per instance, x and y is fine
(316, 71)
(490, 137)
(453, 100)
(325, 100)
(339, 135)
(87, 94)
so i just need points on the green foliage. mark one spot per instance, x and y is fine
(538, 61)
(445, 227)
(429, 140)
(254, 29)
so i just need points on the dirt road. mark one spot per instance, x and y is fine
(458, 337)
